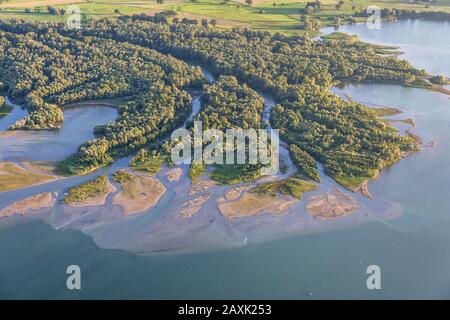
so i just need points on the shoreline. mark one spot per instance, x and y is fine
(89, 104)
(363, 188)
(138, 194)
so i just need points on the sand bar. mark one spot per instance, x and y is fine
(139, 194)
(332, 204)
(247, 204)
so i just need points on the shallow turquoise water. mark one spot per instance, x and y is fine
(413, 251)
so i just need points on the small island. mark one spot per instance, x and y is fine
(138, 193)
(91, 193)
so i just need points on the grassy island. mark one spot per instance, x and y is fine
(90, 190)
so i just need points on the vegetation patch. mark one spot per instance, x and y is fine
(419, 83)
(4, 108)
(355, 41)
(14, 177)
(196, 171)
(138, 193)
(122, 177)
(385, 112)
(150, 162)
(351, 182)
(439, 79)
(149, 55)
(306, 165)
(89, 190)
(292, 186)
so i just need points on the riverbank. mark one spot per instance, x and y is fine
(240, 202)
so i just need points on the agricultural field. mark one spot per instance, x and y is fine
(272, 15)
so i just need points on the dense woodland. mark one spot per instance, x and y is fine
(92, 189)
(145, 58)
(49, 70)
(227, 104)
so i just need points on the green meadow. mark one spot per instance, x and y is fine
(272, 15)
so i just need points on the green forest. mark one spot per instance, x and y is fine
(149, 61)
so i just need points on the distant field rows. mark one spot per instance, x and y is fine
(27, 4)
(272, 15)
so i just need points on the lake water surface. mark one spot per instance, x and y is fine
(412, 250)
(56, 145)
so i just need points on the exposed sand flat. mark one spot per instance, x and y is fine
(139, 194)
(174, 174)
(332, 204)
(363, 189)
(36, 202)
(96, 201)
(191, 207)
(13, 177)
(8, 133)
(249, 204)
